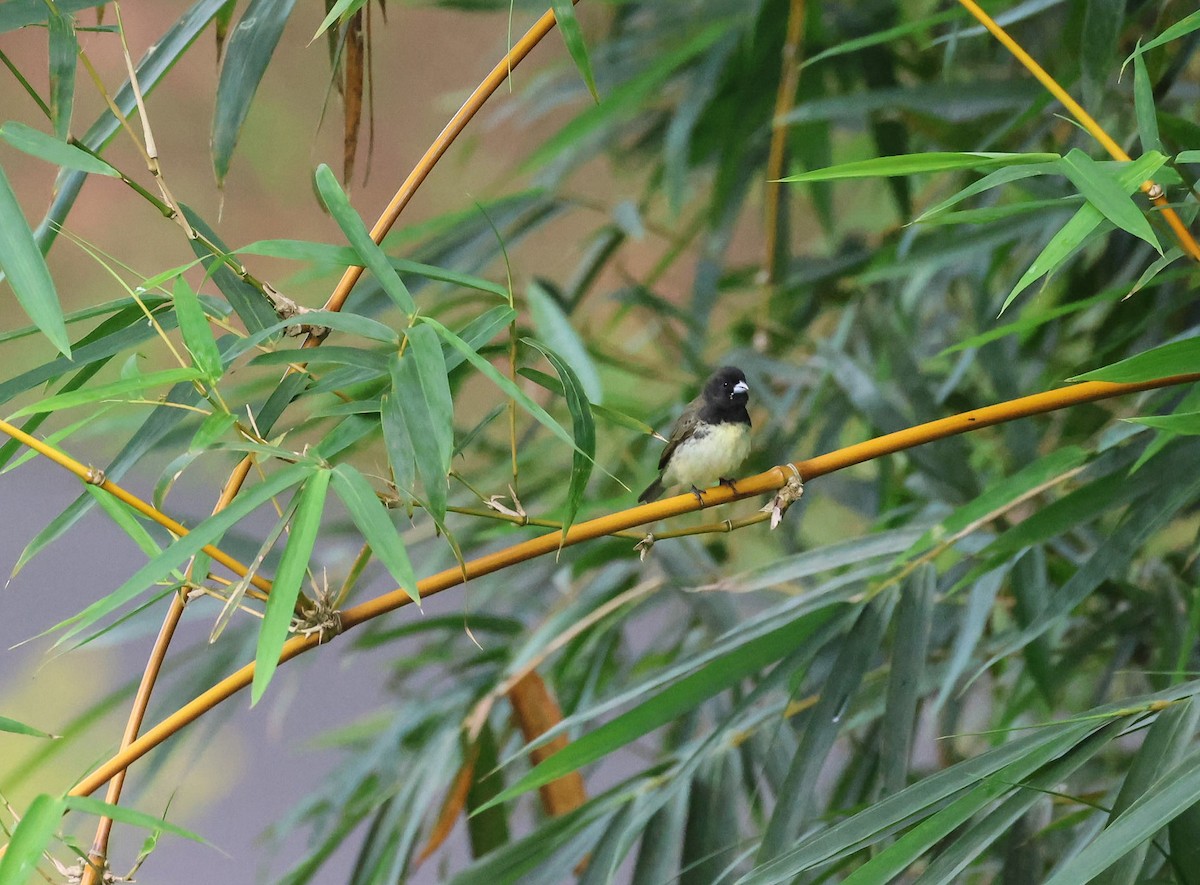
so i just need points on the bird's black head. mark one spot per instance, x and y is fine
(727, 387)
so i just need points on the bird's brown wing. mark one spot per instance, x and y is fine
(682, 430)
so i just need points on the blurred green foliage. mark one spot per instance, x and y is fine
(934, 667)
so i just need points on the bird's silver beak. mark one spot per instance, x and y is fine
(741, 387)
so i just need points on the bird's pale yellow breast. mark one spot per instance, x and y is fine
(704, 459)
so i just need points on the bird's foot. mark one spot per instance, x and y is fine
(699, 493)
(726, 481)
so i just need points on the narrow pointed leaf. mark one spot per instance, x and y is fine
(369, 253)
(1079, 228)
(131, 816)
(285, 588)
(554, 327)
(398, 443)
(197, 334)
(1176, 358)
(246, 58)
(912, 164)
(914, 617)
(52, 150)
(12, 726)
(1105, 193)
(422, 395)
(583, 458)
(1171, 795)
(114, 390)
(31, 837)
(504, 383)
(63, 52)
(26, 272)
(377, 527)
(572, 34)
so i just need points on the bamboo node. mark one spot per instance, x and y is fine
(644, 546)
(788, 495)
(95, 476)
(1155, 191)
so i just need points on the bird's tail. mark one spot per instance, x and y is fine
(652, 493)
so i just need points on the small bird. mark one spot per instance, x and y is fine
(711, 438)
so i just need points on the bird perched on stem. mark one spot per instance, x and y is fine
(710, 440)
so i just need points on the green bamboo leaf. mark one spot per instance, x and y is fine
(914, 617)
(547, 850)
(342, 9)
(584, 432)
(854, 657)
(123, 516)
(488, 830)
(572, 34)
(12, 726)
(401, 456)
(31, 837)
(912, 164)
(207, 532)
(1188, 157)
(479, 332)
(1176, 358)
(998, 494)
(1080, 227)
(505, 384)
(612, 416)
(1185, 423)
(1166, 742)
(197, 334)
(26, 271)
(131, 816)
(422, 392)
(885, 817)
(554, 327)
(628, 99)
(369, 253)
(713, 678)
(210, 430)
(343, 256)
(1172, 794)
(993, 825)
(112, 390)
(1143, 103)
(64, 50)
(376, 525)
(1181, 28)
(1002, 176)
(237, 591)
(52, 150)
(251, 305)
(246, 59)
(1033, 319)
(1106, 194)
(329, 355)
(1102, 22)
(921, 25)
(285, 589)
